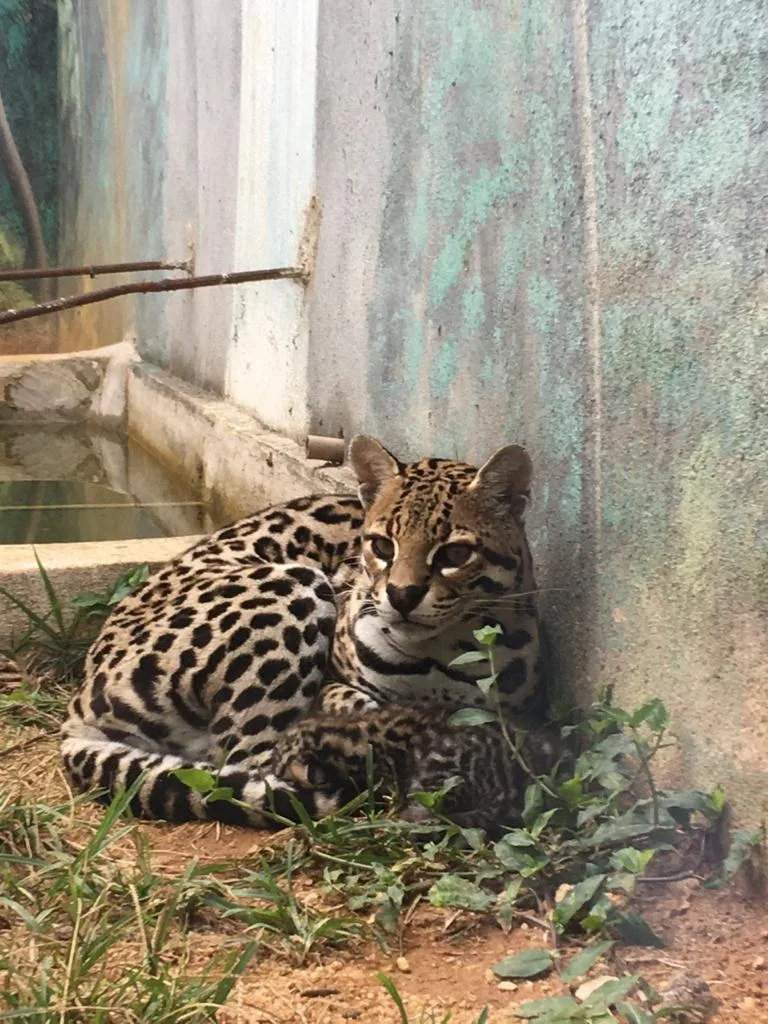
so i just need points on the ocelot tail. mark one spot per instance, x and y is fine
(331, 603)
(412, 751)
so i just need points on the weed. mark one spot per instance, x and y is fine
(59, 639)
(590, 830)
(108, 938)
(82, 909)
(78, 914)
(397, 999)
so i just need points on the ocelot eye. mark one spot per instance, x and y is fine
(383, 548)
(453, 556)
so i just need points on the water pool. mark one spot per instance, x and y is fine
(74, 483)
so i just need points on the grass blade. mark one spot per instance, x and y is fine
(51, 594)
(391, 988)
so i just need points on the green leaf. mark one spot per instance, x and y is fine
(517, 837)
(455, 891)
(552, 1010)
(506, 902)
(32, 923)
(388, 914)
(128, 582)
(523, 862)
(432, 800)
(652, 713)
(591, 811)
(621, 881)
(232, 971)
(472, 716)
(534, 801)
(716, 800)
(571, 791)
(542, 821)
(487, 635)
(617, 831)
(219, 793)
(38, 622)
(632, 860)
(391, 988)
(634, 1015)
(51, 594)
(198, 779)
(598, 915)
(469, 658)
(88, 600)
(633, 929)
(610, 991)
(685, 799)
(528, 964)
(575, 899)
(744, 843)
(582, 962)
(486, 683)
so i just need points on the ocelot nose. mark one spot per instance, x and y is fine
(405, 599)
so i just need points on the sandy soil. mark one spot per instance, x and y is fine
(442, 962)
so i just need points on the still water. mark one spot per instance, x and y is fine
(76, 484)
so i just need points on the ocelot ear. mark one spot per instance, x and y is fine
(373, 466)
(506, 477)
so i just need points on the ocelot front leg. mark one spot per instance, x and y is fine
(343, 700)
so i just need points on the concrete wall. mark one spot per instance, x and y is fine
(546, 222)
(188, 127)
(542, 222)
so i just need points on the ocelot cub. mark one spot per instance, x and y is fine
(333, 604)
(413, 750)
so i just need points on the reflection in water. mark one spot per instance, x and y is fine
(115, 490)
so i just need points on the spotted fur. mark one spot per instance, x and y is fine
(414, 750)
(334, 602)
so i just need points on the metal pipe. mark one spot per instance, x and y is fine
(326, 449)
(95, 269)
(167, 284)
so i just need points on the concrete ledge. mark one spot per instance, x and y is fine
(73, 387)
(74, 569)
(242, 466)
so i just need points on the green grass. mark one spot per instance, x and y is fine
(91, 930)
(397, 999)
(59, 638)
(75, 911)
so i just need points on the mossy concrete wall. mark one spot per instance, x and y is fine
(541, 222)
(188, 131)
(546, 222)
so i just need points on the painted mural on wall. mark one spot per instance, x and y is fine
(28, 139)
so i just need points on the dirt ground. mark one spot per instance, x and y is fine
(443, 961)
(719, 936)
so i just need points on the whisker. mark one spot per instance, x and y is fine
(514, 598)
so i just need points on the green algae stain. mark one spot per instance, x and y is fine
(544, 303)
(481, 193)
(413, 347)
(472, 309)
(419, 220)
(444, 366)
(700, 515)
